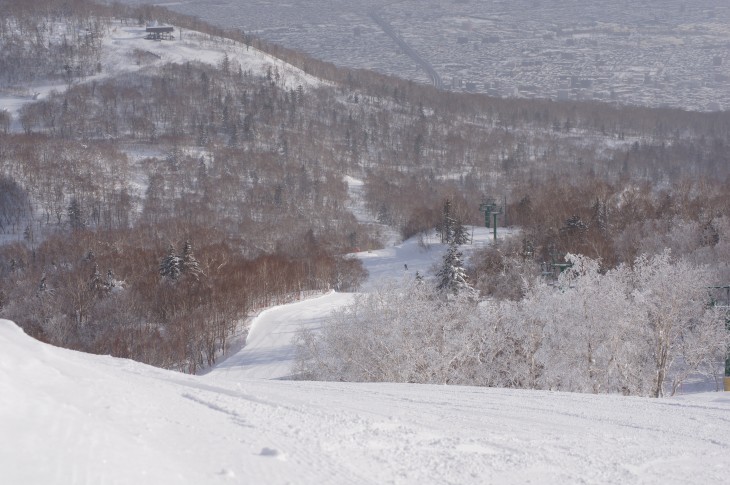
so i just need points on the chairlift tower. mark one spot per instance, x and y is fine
(725, 305)
(491, 210)
(553, 268)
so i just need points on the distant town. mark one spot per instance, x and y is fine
(659, 53)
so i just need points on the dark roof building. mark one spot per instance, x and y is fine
(159, 32)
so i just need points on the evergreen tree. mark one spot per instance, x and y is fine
(233, 139)
(43, 288)
(28, 234)
(111, 281)
(96, 283)
(203, 137)
(202, 179)
(574, 223)
(451, 276)
(189, 265)
(171, 265)
(226, 64)
(446, 227)
(599, 216)
(95, 277)
(460, 234)
(384, 215)
(76, 215)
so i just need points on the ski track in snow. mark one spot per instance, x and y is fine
(269, 352)
(73, 418)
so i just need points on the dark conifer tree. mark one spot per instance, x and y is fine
(170, 266)
(189, 265)
(76, 215)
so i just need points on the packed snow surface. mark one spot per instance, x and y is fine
(68, 417)
(269, 352)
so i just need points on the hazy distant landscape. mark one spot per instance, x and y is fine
(654, 53)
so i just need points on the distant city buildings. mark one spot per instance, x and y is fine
(651, 53)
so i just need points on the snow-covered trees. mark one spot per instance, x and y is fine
(188, 264)
(636, 329)
(451, 276)
(460, 234)
(680, 330)
(171, 265)
(451, 229)
(591, 339)
(397, 334)
(639, 329)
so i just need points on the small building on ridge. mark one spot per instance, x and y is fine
(159, 32)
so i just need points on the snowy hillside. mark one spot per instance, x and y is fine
(74, 418)
(269, 352)
(125, 49)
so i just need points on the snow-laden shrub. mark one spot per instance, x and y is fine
(402, 333)
(639, 330)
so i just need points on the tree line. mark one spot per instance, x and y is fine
(639, 329)
(137, 294)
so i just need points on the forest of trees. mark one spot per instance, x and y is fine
(108, 182)
(638, 329)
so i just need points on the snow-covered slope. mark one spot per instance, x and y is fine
(125, 49)
(269, 352)
(72, 418)
(418, 254)
(121, 47)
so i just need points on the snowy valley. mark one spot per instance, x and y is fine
(225, 261)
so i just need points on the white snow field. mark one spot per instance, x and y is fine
(73, 418)
(269, 352)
